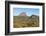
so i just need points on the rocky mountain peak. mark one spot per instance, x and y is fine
(23, 14)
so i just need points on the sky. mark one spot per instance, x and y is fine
(29, 11)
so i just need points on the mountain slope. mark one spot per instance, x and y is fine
(26, 21)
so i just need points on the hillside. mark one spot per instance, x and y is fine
(26, 21)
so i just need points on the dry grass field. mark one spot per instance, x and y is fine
(25, 21)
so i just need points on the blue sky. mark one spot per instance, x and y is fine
(29, 11)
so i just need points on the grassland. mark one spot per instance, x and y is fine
(25, 21)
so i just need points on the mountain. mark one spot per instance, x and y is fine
(34, 19)
(23, 14)
(34, 16)
(26, 21)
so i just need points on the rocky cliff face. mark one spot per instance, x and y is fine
(23, 14)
